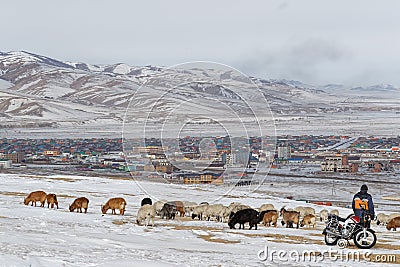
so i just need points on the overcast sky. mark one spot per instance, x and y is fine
(314, 41)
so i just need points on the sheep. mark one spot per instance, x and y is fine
(188, 206)
(224, 214)
(198, 211)
(382, 218)
(304, 211)
(270, 216)
(334, 212)
(159, 205)
(113, 204)
(393, 215)
(36, 196)
(145, 201)
(189, 203)
(393, 223)
(51, 200)
(264, 207)
(146, 212)
(323, 215)
(289, 217)
(213, 210)
(78, 204)
(235, 207)
(308, 220)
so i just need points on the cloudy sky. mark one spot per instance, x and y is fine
(314, 41)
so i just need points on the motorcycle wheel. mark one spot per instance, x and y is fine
(331, 240)
(368, 242)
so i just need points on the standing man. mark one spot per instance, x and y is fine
(362, 202)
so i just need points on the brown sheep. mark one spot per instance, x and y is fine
(270, 217)
(308, 220)
(290, 217)
(78, 204)
(51, 200)
(393, 223)
(36, 196)
(113, 204)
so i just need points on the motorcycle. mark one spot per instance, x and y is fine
(339, 231)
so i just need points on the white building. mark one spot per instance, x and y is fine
(5, 163)
(283, 152)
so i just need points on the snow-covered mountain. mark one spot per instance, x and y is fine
(38, 91)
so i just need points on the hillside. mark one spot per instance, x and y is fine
(44, 96)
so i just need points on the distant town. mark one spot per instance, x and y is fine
(205, 160)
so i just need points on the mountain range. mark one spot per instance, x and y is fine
(42, 96)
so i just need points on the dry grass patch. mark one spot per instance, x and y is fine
(210, 238)
(119, 222)
(290, 239)
(65, 179)
(19, 194)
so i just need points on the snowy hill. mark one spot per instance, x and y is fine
(37, 90)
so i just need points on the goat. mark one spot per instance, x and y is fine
(146, 212)
(393, 223)
(290, 217)
(270, 216)
(179, 207)
(78, 204)
(113, 204)
(168, 211)
(308, 220)
(36, 196)
(51, 200)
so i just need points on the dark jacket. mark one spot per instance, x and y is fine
(363, 198)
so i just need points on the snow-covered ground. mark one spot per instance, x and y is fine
(34, 236)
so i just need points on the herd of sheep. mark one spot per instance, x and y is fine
(235, 213)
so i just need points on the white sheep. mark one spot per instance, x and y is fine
(393, 215)
(198, 211)
(334, 212)
(236, 206)
(304, 211)
(158, 206)
(189, 206)
(213, 211)
(323, 215)
(265, 207)
(224, 214)
(146, 212)
(382, 219)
